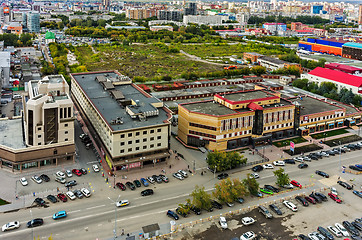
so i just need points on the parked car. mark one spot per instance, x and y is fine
(290, 205)
(86, 192)
(23, 181)
(137, 183)
(257, 168)
(40, 201)
(279, 163)
(164, 178)
(222, 176)
(71, 183)
(350, 228)
(265, 212)
(181, 212)
(304, 237)
(324, 154)
(272, 188)
(130, 185)
(302, 165)
(322, 196)
(172, 214)
(263, 190)
(288, 186)
(268, 166)
(345, 185)
(83, 171)
(321, 173)
(157, 178)
(309, 199)
(37, 179)
(357, 193)
(275, 209)
(334, 231)
(45, 178)
(248, 236)
(344, 231)
(95, 168)
(121, 186)
(295, 183)
(195, 209)
(178, 176)
(70, 195)
(62, 197)
(353, 167)
(10, 226)
(298, 159)
(223, 223)
(247, 221)
(302, 201)
(78, 193)
(254, 175)
(77, 172)
(60, 180)
(60, 214)
(289, 161)
(334, 191)
(35, 223)
(216, 204)
(334, 197)
(147, 192)
(325, 233)
(316, 198)
(183, 173)
(357, 225)
(68, 173)
(316, 236)
(144, 182)
(52, 198)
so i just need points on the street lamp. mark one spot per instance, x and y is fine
(32, 229)
(340, 152)
(115, 215)
(324, 138)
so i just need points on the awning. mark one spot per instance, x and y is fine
(320, 124)
(340, 122)
(349, 119)
(302, 128)
(352, 121)
(331, 124)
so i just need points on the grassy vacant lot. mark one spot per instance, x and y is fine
(286, 142)
(3, 202)
(140, 60)
(343, 140)
(303, 149)
(329, 134)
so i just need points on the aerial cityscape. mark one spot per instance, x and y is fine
(210, 120)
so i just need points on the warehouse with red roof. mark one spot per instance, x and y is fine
(341, 79)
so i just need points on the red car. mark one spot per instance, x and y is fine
(121, 186)
(334, 197)
(62, 197)
(77, 172)
(311, 200)
(295, 183)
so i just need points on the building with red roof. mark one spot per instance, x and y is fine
(344, 68)
(341, 79)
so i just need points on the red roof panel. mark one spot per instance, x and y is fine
(337, 76)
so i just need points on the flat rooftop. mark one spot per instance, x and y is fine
(249, 95)
(209, 108)
(110, 109)
(334, 59)
(11, 133)
(311, 106)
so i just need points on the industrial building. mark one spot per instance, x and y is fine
(131, 127)
(44, 135)
(352, 50)
(344, 68)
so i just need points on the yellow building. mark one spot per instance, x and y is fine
(235, 120)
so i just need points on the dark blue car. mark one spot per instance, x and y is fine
(144, 182)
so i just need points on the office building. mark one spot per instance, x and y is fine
(46, 136)
(316, 9)
(352, 50)
(170, 15)
(33, 22)
(106, 4)
(129, 126)
(191, 10)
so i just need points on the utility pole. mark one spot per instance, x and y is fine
(115, 216)
(32, 229)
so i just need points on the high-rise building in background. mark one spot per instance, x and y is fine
(360, 15)
(191, 10)
(316, 9)
(33, 22)
(106, 4)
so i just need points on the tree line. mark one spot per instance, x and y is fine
(22, 40)
(282, 19)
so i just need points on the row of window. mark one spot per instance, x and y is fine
(65, 112)
(202, 126)
(145, 132)
(139, 140)
(278, 116)
(202, 134)
(323, 118)
(235, 123)
(278, 126)
(138, 148)
(229, 135)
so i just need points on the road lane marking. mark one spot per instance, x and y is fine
(96, 206)
(144, 215)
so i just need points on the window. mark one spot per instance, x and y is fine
(122, 143)
(159, 130)
(137, 141)
(65, 125)
(55, 152)
(66, 139)
(152, 138)
(152, 131)
(39, 136)
(129, 134)
(158, 144)
(122, 135)
(145, 140)
(66, 132)
(39, 128)
(137, 133)
(61, 112)
(129, 149)
(39, 143)
(144, 147)
(137, 148)
(130, 142)
(122, 151)
(144, 132)
(152, 145)
(158, 137)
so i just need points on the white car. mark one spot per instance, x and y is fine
(247, 220)
(335, 231)
(10, 226)
(290, 205)
(37, 179)
(68, 173)
(248, 236)
(85, 192)
(342, 229)
(223, 223)
(279, 163)
(60, 174)
(122, 203)
(334, 191)
(312, 236)
(95, 168)
(324, 154)
(254, 175)
(178, 176)
(268, 166)
(183, 173)
(71, 195)
(288, 186)
(23, 181)
(346, 149)
(298, 159)
(305, 158)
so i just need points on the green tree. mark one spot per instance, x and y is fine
(258, 70)
(300, 83)
(282, 177)
(200, 198)
(251, 184)
(184, 209)
(222, 191)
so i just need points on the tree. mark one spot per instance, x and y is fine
(238, 189)
(251, 184)
(258, 70)
(184, 209)
(200, 198)
(222, 161)
(282, 178)
(229, 191)
(300, 83)
(236, 159)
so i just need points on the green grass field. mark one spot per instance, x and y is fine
(3, 202)
(285, 143)
(329, 134)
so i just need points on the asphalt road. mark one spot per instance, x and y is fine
(94, 217)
